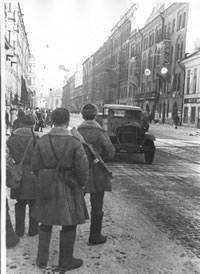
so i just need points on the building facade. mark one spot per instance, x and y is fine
(73, 94)
(105, 73)
(54, 99)
(191, 103)
(142, 66)
(88, 80)
(163, 41)
(134, 68)
(31, 84)
(17, 55)
(99, 81)
(76, 102)
(76, 90)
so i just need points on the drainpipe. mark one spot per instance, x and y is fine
(141, 48)
(163, 22)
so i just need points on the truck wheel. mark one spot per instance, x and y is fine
(149, 155)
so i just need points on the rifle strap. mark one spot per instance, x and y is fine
(59, 161)
(25, 152)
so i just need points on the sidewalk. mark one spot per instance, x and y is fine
(185, 133)
(165, 129)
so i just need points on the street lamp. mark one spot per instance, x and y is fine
(147, 73)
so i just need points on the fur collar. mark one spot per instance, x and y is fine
(60, 131)
(22, 132)
(90, 124)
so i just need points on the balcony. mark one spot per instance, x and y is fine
(140, 96)
(135, 53)
(163, 36)
(151, 95)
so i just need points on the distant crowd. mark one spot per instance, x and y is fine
(15, 114)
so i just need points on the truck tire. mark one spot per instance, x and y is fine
(149, 154)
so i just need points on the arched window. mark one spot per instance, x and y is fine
(144, 63)
(173, 25)
(171, 54)
(158, 56)
(150, 60)
(184, 19)
(177, 51)
(156, 35)
(154, 59)
(181, 50)
(178, 20)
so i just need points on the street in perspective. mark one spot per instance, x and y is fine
(151, 215)
(102, 137)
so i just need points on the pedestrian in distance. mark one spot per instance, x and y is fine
(156, 117)
(59, 151)
(17, 122)
(7, 123)
(13, 116)
(176, 120)
(48, 119)
(99, 180)
(20, 140)
(40, 121)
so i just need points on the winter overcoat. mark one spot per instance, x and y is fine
(16, 146)
(68, 206)
(94, 134)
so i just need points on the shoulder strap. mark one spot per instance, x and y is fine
(25, 152)
(51, 144)
(59, 161)
(35, 142)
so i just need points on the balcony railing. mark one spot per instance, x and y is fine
(163, 36)
(135, 53)
(139, 96)
(151, 95)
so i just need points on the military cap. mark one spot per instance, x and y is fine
(89, 110)
(60, 116)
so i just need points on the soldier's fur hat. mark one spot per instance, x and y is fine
(60, 116)
(26, 120)
(89, 111)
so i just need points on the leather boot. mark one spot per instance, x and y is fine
(95, 237)
(43, 249)
(66, 259)
(33, 224)
(20, 210)
(33, 227)
(11, 238)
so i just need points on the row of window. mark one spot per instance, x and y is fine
(154, 58)
(159, 85)
(155, 37)
(122, 36)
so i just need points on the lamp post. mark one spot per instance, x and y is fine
(147, 73)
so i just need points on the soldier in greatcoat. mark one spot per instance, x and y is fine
(99, 180)
(26, 193)
(67, 207)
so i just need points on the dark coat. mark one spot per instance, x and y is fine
(95, 135)
(17, 144)
(67, 207)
